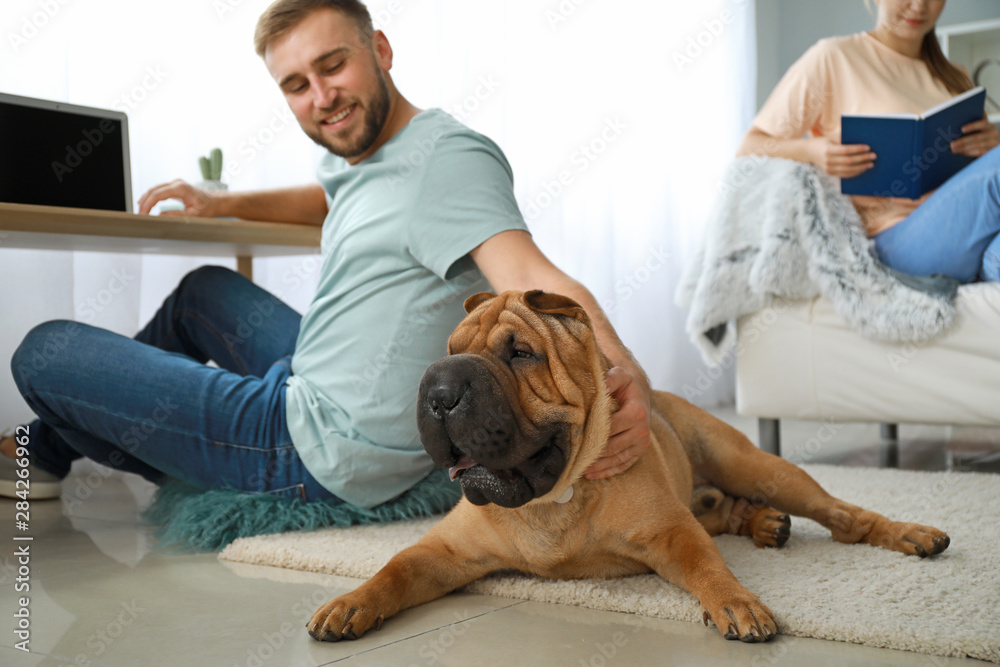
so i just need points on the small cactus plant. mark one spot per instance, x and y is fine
(211, 166)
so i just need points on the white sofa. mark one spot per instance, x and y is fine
(801, 361)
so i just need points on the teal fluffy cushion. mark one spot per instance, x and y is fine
(192, 519)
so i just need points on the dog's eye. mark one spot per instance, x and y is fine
(523, 354)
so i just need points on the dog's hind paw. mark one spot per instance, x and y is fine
(766, 526)
(914, 539)
(769, 527)
(854, 524)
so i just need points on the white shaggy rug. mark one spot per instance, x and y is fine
(815, 586)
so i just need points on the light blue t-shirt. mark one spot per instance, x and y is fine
(394, 276)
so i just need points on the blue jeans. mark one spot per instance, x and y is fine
(954, 232)
(151, 406)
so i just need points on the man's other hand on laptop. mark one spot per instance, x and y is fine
(197, 203)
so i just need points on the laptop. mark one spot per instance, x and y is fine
(59, 154)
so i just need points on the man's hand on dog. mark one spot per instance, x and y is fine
(629, 426)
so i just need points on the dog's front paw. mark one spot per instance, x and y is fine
(344, 617)
(743, 617)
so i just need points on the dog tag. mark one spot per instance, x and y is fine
(566, 496)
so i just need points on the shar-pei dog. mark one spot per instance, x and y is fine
(518, 410)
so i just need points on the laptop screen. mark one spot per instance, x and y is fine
(58, 154)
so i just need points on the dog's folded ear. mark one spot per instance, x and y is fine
(554, 304)
(473, 301)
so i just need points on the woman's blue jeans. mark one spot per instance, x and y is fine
(954, 232)
(152, 406)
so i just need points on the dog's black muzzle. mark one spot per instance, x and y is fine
(468, 424)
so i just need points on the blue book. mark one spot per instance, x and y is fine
(912, 153)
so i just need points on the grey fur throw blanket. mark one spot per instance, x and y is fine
(782, 230)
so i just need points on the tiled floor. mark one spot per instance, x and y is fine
(102, 595)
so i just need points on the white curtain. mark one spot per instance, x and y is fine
(617, 117)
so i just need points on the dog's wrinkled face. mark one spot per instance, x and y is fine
(506, 411)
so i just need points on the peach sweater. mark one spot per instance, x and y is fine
(850, 74)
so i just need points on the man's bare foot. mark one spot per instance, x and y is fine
(22, 481)
(8, 447)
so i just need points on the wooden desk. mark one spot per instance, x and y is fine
(59, 228)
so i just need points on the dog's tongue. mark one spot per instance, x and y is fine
(464, 462)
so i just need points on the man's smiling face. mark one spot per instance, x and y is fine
(334, 80)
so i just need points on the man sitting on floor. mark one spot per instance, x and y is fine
(318, 407)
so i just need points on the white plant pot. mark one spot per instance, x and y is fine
(211, 186)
